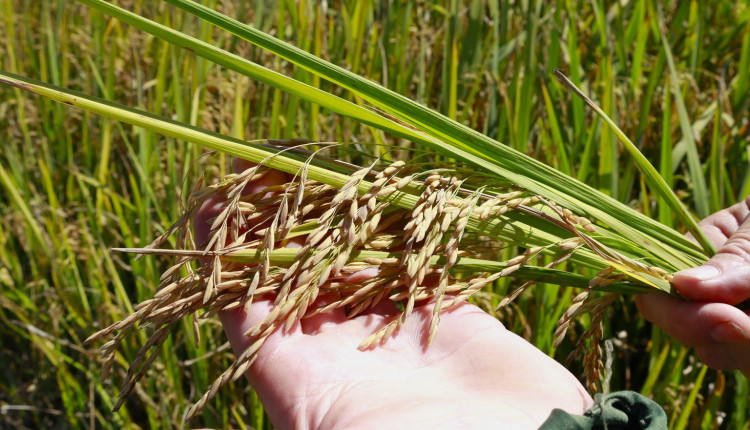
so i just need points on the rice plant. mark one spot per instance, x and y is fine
(493, 210)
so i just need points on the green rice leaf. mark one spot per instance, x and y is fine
(524, 229)
(697, 179)
(462, 143)
(653, 178)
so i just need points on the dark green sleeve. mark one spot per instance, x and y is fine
(623, 410)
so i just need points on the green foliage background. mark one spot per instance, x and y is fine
(74, 185)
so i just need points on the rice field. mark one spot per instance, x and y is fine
(674, 76)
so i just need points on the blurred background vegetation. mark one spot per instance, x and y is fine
(73, 185)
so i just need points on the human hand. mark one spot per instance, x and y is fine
(710, 322)
(475, 374)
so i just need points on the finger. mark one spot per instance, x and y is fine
(240, 165)
(269, 178)
(725, 277)
(361, 276)
(725, 224)
(237, 322)
(719, 226)
(314, 324)
(697, 324)
(209, 210)
(385, 307)
(726, 356)
(212, 206)
(336, 316)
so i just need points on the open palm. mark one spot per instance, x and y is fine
(475, 374)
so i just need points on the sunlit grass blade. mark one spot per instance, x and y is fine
(657, 183)
(518, 172)
(665, 159)
(684, 419)
(528, 230)
(742, 82)
(19, 202)
(741, 412)
(466, 144)
(697, 179)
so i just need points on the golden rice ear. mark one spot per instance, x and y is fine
(345, 231)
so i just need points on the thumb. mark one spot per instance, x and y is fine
(725, 278)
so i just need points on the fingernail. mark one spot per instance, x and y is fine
(729, 332)
(702, 273)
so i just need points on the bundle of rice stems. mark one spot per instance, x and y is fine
(432, 233)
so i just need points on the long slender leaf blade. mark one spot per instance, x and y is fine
(700, 190)
(505, 161)
(523, 229)
(655, 181)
